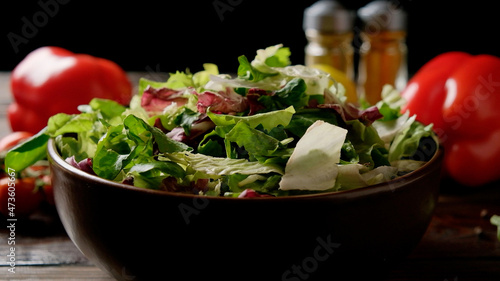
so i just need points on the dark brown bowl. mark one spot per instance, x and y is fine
(139, 234)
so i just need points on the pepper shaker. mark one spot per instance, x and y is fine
(383, 51)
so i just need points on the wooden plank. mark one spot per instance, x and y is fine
(67, 273)
(40, 239)
(447, 270)
(460, 226)
(30, 251)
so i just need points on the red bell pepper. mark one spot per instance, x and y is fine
(460, 94)
(53, 80)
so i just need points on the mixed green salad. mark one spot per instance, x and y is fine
(272, 129)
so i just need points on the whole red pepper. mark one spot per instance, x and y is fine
(53, 80)
(460, 94)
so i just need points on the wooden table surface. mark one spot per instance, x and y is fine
(460, 243)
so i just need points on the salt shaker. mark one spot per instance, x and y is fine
(329, 30)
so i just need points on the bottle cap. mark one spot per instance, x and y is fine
(382, 15)
(328, 16)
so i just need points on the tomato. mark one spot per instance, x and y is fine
(19, 197)
(27, 189)
(48, 191)
(13, 139)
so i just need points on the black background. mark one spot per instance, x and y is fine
(172, 35)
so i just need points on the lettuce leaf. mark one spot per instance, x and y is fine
(27, 153)
(313, 163)
(201, 78)
(177, 80)
(247, 72)
(268, 120)
(152, 174)
(62, 123)
(407, 141)
(181, 79)
(316, 80)
(218, 166)
(263, 184)
(388, 129)
(270, 58)
(391, 103)
(112, 153)
(272, 65)
(357, 175)
(128, 144)
(255, 142)
(292, 94)
(304, 118)
(495, 220)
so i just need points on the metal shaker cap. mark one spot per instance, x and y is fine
(383, 15)
(328, 16)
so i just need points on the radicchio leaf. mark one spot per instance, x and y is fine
(154, 100)
(198, 128)
(222, 102)
(250, 193)
(350, 112)
(84, 165)
(253, 96)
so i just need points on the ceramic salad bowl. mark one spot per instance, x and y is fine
(141, 234)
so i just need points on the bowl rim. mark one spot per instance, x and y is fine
(390, 186)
